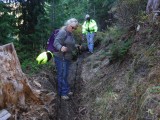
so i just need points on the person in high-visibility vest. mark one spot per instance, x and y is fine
(65, 44)
(89, 29)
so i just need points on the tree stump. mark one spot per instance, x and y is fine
(14, 85)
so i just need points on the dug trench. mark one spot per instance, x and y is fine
(72, 109)
(54, 107)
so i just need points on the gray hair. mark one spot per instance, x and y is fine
(72, 21)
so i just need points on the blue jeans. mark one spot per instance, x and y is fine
(90, 41)
(62, 67)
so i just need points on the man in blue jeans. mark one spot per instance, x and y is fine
(89, 28)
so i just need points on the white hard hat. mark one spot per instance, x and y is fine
(87, 16)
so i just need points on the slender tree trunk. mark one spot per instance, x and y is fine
(53, 13)
(14, 87)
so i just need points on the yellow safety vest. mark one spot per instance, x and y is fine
(89, 26)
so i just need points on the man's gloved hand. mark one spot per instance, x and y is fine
(44, 57)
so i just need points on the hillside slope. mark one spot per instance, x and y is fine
(127, 89)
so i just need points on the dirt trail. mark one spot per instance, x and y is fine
(71, 109)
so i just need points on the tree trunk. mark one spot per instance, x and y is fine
(14, 87)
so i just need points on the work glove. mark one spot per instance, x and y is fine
(44, 57)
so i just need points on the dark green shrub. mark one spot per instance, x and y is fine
(119, 49)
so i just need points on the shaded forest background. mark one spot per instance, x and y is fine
(29, 23)
(119, 81)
